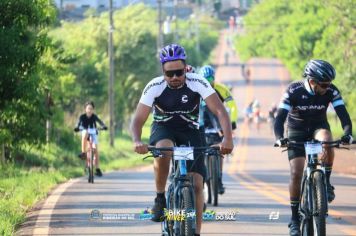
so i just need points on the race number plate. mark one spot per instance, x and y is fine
(313, 148)
(183, 153)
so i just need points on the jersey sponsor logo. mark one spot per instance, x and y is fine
(205, 84)
(304, 97)
(152, 85)
(176, 112)
(311, 107)
(184, 98)
(292, 89)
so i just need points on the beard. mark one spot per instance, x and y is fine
(176, 83)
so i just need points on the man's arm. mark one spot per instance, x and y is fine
(344, 118)
(215, 106)
(279, 123)
(140, 117)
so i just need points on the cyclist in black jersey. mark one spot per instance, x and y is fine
(175, 98)
(86, 121)
(305, 103)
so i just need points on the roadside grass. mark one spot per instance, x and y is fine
(36, 171)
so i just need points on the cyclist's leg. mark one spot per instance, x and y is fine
(161, 137)
(84, 141)
(96, 150)
(161, 166)
(324, 134)
(199, 199)
(296, 158)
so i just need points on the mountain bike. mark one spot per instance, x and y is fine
(180, 196)
(91, 150)
(313, 207)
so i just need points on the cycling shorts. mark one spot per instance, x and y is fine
(303, 135)
(186, 137)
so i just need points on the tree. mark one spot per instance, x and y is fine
(23, 40)
(297, 31)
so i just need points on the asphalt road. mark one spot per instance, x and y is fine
(256, 179)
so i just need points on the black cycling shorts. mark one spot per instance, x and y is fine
(303, 136)
(186, 137)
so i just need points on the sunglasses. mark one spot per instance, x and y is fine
(171, 73)
(324, 85)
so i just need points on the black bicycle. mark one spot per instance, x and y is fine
(313, 207)
(180, 196)
(213, 166)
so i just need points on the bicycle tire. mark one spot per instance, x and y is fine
(214, 181)
(307, 223)
(187, 204)
(207, 164)
(91, 168)
(170, 200)
(320, 205)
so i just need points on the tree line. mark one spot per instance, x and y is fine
(49, 68)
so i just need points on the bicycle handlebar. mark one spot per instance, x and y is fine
(153, 148)
(336, 143)
(100, 128)
(156, 151)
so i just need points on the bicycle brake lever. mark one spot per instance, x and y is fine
(147, 157)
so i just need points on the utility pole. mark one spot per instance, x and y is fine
(160, 32)
(175, 12)
(111, 79)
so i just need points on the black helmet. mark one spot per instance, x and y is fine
(319, 70)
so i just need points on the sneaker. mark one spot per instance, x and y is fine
(294, 228)
(158, 209)
(82, 155)
(98, 172)
(330, 192)
(221, 188)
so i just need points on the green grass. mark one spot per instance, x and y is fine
(35, 171)
(335, 126)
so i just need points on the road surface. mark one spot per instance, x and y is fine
(256, 179)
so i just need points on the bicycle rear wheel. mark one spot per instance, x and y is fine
(320, 207)
(214, 181)
(187, 204)
(208, 179)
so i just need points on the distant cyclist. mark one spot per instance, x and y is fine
(86, 121)
(175, 98)
(208, 72)
(305, 103)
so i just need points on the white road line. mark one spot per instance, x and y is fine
(45, 214)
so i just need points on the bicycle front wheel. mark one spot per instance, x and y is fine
(187, 203)
(305, 207)
(91, 167)
(320, 204)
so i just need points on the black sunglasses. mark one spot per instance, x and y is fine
(171, 73)
(324, 85)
